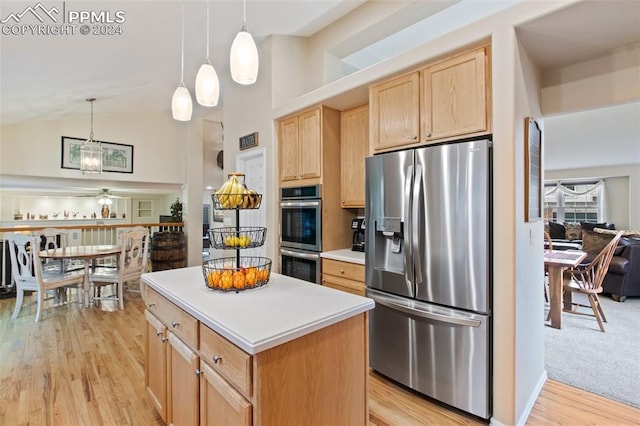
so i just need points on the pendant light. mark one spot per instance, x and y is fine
(181, 104)
(207, 83)
(91, 151)
(243, 59)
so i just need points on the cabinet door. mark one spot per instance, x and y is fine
(395, 112)
(183, 391)
(354, 146)
(310, 144)
(220, 404)
(288, 142)
(155, 373)
(453, 101)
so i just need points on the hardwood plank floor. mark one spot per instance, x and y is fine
(86, 367)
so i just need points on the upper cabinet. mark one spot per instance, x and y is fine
(395, 112)
(305, 139)
(454, 97)
(444, 100)
(354, 146)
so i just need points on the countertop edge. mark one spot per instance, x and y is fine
(268, 343)
(344, 255)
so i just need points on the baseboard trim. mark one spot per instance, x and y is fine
(532, 399)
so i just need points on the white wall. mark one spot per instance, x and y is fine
(34, 148)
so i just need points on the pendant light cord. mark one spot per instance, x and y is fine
(182, 51)
(208, 60)
(244, 16)
(91, 131)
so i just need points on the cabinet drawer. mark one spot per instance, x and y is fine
(339, 283)
(176, 320)
(352, 271)
(226, 358)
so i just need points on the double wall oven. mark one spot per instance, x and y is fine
(301, 232)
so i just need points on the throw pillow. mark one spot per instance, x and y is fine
(593, 242)
(556, 231)
(588, 226)
(572, 231)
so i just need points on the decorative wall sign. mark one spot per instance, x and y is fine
(116, 157)
(249, 141)
(532, 170)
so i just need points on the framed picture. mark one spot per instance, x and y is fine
(116, 157)
(532, 170)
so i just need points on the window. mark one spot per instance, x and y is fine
(574, 202)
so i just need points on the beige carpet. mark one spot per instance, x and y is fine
(606, 364)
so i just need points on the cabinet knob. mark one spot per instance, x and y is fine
(216, 359)
(342, 271)
(415, 138)
(151, 305)
(342, 201)
(427, 134)
(175, 324)
(164, 339)
(199, 372)
(158, 333)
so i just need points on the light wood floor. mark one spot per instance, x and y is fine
(85, 367)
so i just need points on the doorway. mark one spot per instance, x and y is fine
(253, 165)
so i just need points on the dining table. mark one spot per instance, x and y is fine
(87, 253)
(556, 262)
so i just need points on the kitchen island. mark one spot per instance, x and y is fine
(290, 352)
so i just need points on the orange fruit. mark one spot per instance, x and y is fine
(238, 279)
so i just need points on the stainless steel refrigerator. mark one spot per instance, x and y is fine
(428, 253)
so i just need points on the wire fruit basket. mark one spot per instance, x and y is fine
(229, 274)
(241, 237)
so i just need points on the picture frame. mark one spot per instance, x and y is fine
(116, 157)
(248, 141)
(532, 170)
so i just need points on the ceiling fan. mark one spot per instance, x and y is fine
(104, 194)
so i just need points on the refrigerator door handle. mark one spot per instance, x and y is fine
(415, 218)
(407, 231)
(423, 314)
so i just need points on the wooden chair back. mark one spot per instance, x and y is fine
(547, 238)
(135, 252)
(21, 253)
(591, 276)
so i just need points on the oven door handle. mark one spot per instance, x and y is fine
(299, 203)
(311, 256)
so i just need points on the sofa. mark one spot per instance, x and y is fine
(623, 277)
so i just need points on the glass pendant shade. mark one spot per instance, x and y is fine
(91, 157)
(243, 59)
(181, 104)
(207, 86)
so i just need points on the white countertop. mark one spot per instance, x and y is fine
(259, 319)
(344, 255)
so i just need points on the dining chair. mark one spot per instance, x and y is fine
(587, 279)
(132, 262)
(52, 239)
(28, 273)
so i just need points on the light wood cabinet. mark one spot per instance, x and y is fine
(155, 374)
(354, 146)
(318, 378)
(221, 404)
(343, 276)
(442, 101)
(183, 392)
(395, 112)
(304, 140)
(454, 100)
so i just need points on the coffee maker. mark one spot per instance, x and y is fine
(358, 234)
